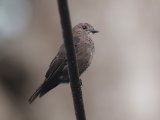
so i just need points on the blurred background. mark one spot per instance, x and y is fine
(123, 80)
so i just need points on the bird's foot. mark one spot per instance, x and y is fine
(80, 81)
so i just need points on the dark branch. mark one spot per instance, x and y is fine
(72, 65)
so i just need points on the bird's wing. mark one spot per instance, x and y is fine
(52, 81)
(58, 62)
(54, 70)
(60, 59)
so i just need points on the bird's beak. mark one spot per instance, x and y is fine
(93, 31)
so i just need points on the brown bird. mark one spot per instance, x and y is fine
(58, 69)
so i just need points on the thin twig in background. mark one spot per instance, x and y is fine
(72, 65)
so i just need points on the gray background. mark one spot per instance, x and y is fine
(121, 84)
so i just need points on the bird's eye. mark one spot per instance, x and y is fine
(84, 27)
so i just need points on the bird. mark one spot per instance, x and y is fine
(58, 68)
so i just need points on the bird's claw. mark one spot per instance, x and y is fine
(80, 81)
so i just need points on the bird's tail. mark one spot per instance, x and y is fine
(49, 87)
(35, 95)
(43, 89)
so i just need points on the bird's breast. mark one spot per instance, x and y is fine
(84, 55)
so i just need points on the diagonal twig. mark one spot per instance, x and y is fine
(71, 58)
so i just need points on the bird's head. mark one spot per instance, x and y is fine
(84, 28)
